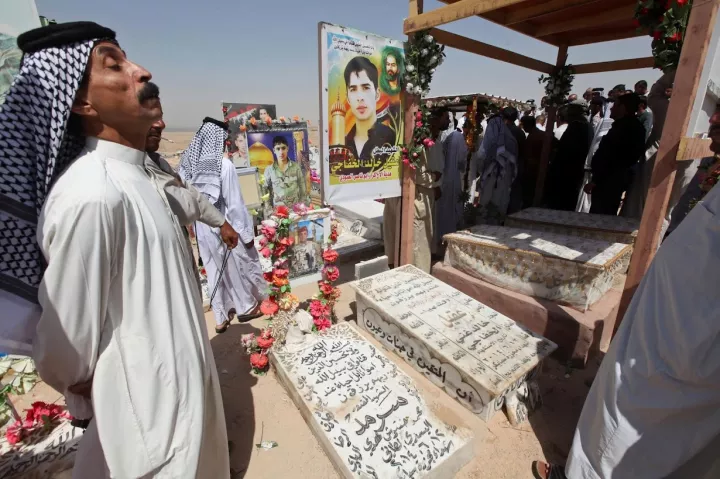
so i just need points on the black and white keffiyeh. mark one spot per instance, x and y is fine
(34, 149)
(201, 162)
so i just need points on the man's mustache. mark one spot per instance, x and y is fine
(149, 91)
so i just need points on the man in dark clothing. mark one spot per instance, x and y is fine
(567, 170)
(533, 151)
(510, 116)
(619, 150)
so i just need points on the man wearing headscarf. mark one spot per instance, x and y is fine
(600, 122)
(449, 208)
(234, 275)
(188, 204)
(121, 313)
(496, 162)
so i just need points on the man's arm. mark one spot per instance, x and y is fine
(78, 244)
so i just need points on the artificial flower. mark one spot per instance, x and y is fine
(243, 128)
(326, 288)
(406, 161)
(253, 121)
(265, 252)
(258, 361)
(280, 249)
(265, 343)
(318, 309)
(269, 307)
(14, 433)
(300, 209)
(418, 116)
(263, 241)
(265, 197)
(247, 340)
(282, 212)
(269, 121)
(296, 118)
(203, 271)
(322, 323)
(331, 273)
(282, 119)
(281, 273)
(657, 35)
(330, 255)
(419, 124)
(675, 37)
(287, 241)
(288, 301)
(253, 212)
(279, 282)
(333, 236)
(268, 231)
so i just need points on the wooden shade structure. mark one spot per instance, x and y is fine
(564, 24)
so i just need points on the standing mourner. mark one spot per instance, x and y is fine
(449, 209)
(600, 124)
(619, 150)
(533, 153)
(653, 410)
(122, 333)
(241, 286)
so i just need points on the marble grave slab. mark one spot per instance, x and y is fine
(366, 413)
(479, 357)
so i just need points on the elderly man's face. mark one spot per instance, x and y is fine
(391, 67)
(155, 136)
(118, 92)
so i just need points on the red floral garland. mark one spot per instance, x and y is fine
(42, 416)
(322, 307)
(665, 21)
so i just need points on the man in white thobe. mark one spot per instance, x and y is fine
(121, 312)
(234, 276)
(654, 407)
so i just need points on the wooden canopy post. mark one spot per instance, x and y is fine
(547, 144)
(407, 206)
(692, 60)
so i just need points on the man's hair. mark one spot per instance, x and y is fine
(630, 101)
(643, 100)
(539, 118)
(562, 115)
(509, 113)
(641, 83)
(279, 140)
(438, 113)
(528, 122)
(358, 65)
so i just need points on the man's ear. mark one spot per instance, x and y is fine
(377, 94)
(81, 105)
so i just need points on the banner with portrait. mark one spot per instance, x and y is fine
(236, 114)
(362, 115)
(282, 156)
(18, 16)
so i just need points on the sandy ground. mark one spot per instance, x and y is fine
(258, 408)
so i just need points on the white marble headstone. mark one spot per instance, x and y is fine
(474, 353)
(367, 414)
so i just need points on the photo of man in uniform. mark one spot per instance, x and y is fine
(285, 179)
(239, 156)
(361, 81)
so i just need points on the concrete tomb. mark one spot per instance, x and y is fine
(479, 357)
(366, 413)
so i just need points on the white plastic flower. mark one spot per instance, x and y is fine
(410, 87)
(429, 38)
(418, 90)
(433, 60)
(410, 68)
(432, 71)
(424, 52)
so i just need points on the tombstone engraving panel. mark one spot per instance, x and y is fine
(472, 352)
(367, 414)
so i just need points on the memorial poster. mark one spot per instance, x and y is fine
(361, 110)
(236, 114)
(18, 16)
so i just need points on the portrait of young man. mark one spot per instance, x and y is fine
(285, 179)
(361, 81)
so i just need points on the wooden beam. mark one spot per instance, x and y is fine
(687, 79)
(452, 12)
(547, 144)
(604, 37)
(693, 149)
(404, 236)
(615, 65)
(538, 10)
(588, 21)
(473, 46)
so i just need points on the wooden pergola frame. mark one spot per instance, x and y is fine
(567, 23)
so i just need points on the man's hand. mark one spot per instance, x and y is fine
(229, 235)
(588, 188)
(82, 389)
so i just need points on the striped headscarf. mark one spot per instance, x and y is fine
(201, 162)
(35, 147)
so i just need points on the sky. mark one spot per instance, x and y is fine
(202, 53)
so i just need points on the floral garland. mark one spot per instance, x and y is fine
(558, 85)
(41, 417)
(275, 243)
(322, 307)
(422, 55)
(665, 21)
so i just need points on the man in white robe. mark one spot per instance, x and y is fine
(188, 204)
(234, 277)
(654, 407)
(121, 313)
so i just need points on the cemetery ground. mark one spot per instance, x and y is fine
(259, 409)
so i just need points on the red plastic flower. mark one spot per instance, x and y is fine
(243, 128)
(14, 433)
(326, 288)
(258, 361)
(675, 37)
(330, 255)
(266, 252)
(418, 124)
(280, 281)
(253, 121)
(322, 323)
(296, 118)
(268, 121)
(333, 236)
(331, 273)
(263, 241)
(281, 273)
(657, 34)
(280, 250)
(286, 241)
(268, 231)
(682, 2)
(269, 307)
(282, 211)
(317, 309)
(265, 343)
(268, 276)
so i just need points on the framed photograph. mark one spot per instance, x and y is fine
(237, 114)
(362, 80)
